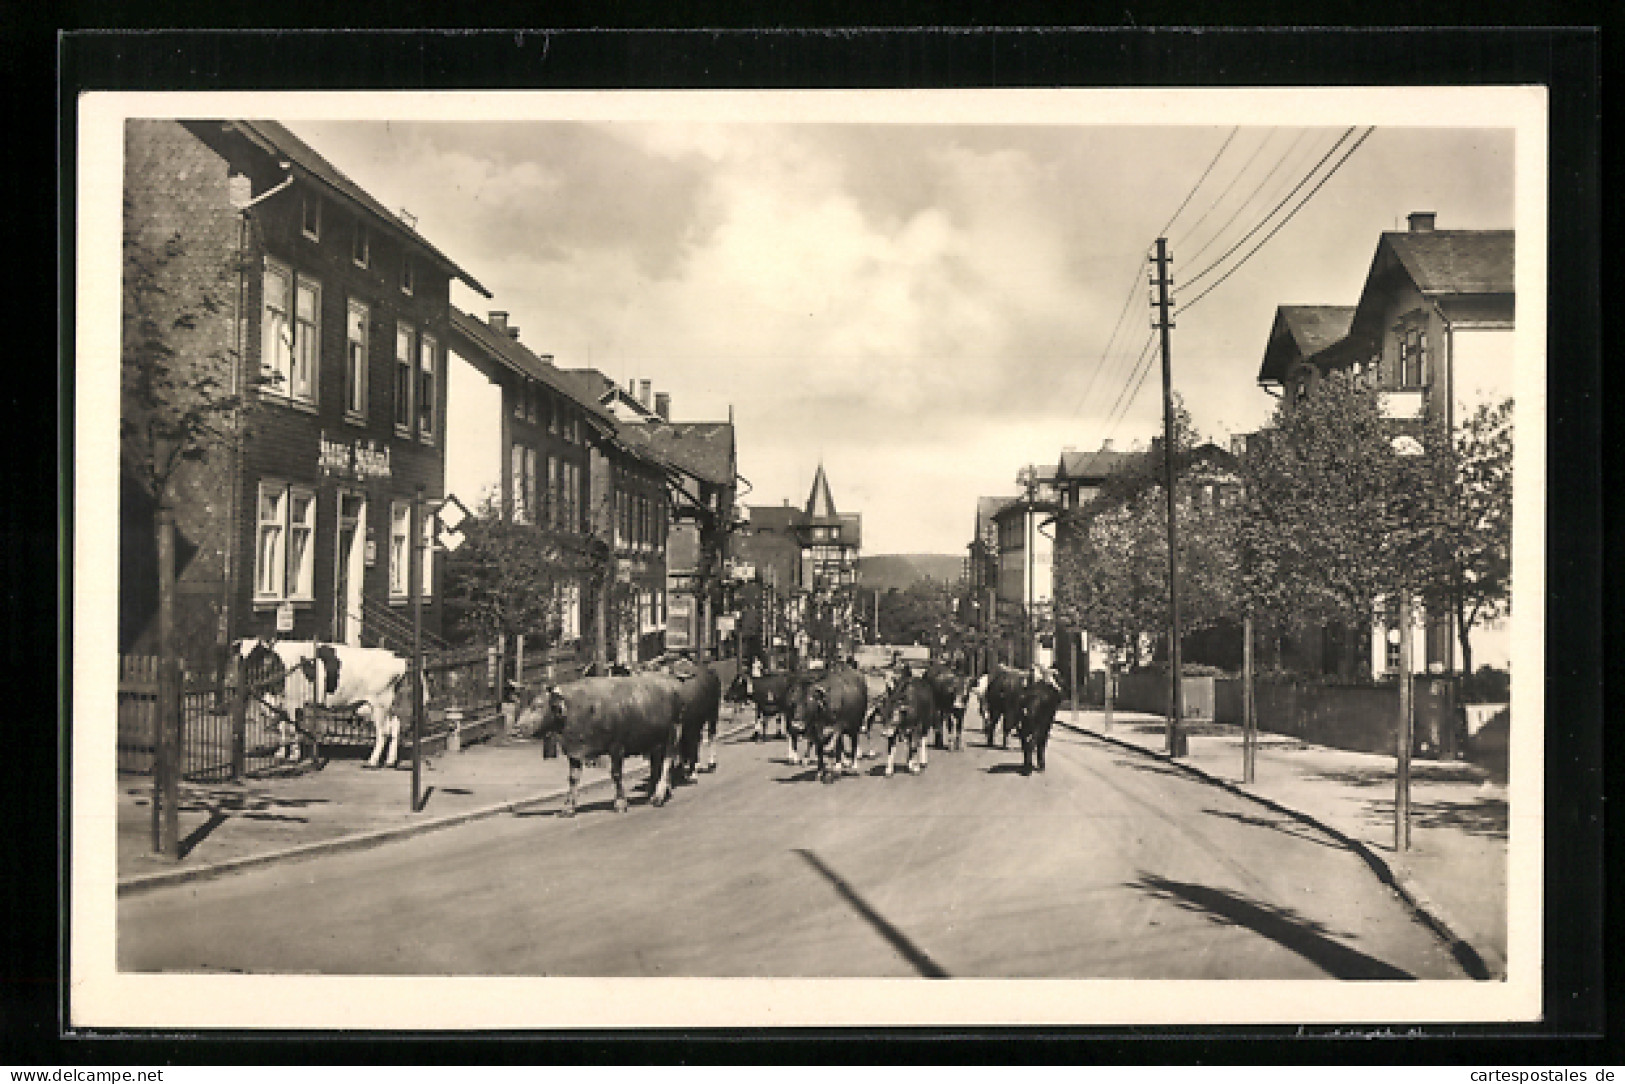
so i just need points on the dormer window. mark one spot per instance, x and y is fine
(361, 246)
(408, 275)
(311, 217)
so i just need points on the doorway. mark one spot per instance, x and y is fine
(349, 568)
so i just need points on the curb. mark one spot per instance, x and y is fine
(1431, 914)
(361, 840)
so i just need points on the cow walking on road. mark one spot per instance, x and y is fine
(700, 696)
(770, 695)
(829, 712)
(948, 705)
(620, 716)
(909, 713)
(1035, 714)
(1000, 701)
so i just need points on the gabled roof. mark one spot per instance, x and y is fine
(1452, 267)
(819, 502)
(274, 137)
(518, 358)
(1456, 261)
(1300, 332)
(702, 449)
(604, 390)
(773, 517)
(1093, 465)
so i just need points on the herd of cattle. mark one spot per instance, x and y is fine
(668, 711)
(823, 715)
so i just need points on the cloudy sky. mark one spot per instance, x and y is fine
(924, 307)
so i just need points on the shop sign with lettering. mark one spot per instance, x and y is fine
(358, 459)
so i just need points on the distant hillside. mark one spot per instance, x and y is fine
(883, 571)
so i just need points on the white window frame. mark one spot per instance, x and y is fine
(270, 567)
(276, 577)
(408, 334)
(280, 338)
(356, 355)
(555, 495)
(302, 560)
(532, 498)
(400, 556)
(307, 338)
(570, 617)
(428, 391)
(516, 483)
(426, 540)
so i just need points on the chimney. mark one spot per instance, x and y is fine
(663, 405)
(546, 359)
(513, 332)
(644, 388)
(498, 321)
(1421, 221)
(1106, 445)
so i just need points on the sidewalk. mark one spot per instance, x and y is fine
(1455, 873)
(227, 826)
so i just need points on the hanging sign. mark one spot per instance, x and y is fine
(358, 459)
(284, 617)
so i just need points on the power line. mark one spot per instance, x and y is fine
(1164, 231)
(1142, 364)
(1247, 202)
(1329, 173)
(1213, 206)
(1265, 220)
(1133, 287)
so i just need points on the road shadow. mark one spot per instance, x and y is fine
(1002, 768)
(1485, 817)
(1283, 826)
(1155, 767)
(927, 967)
(1285, 927)
(1422, 771)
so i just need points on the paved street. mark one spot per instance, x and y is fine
(1109, 865)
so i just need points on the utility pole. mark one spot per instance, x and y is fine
(1402, 765)
(414, 576)
(1164, 323)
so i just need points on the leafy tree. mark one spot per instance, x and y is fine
(1335, 518)
(919, 613)
(1112, 554)
(1474, 565)
(509, 578)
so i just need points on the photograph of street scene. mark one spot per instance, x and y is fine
(791, 543)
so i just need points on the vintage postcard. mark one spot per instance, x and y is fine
(702, 559)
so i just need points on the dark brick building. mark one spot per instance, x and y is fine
(330, 315)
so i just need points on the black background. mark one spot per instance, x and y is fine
(46, 68)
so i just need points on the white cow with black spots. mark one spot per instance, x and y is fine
(365, 680)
